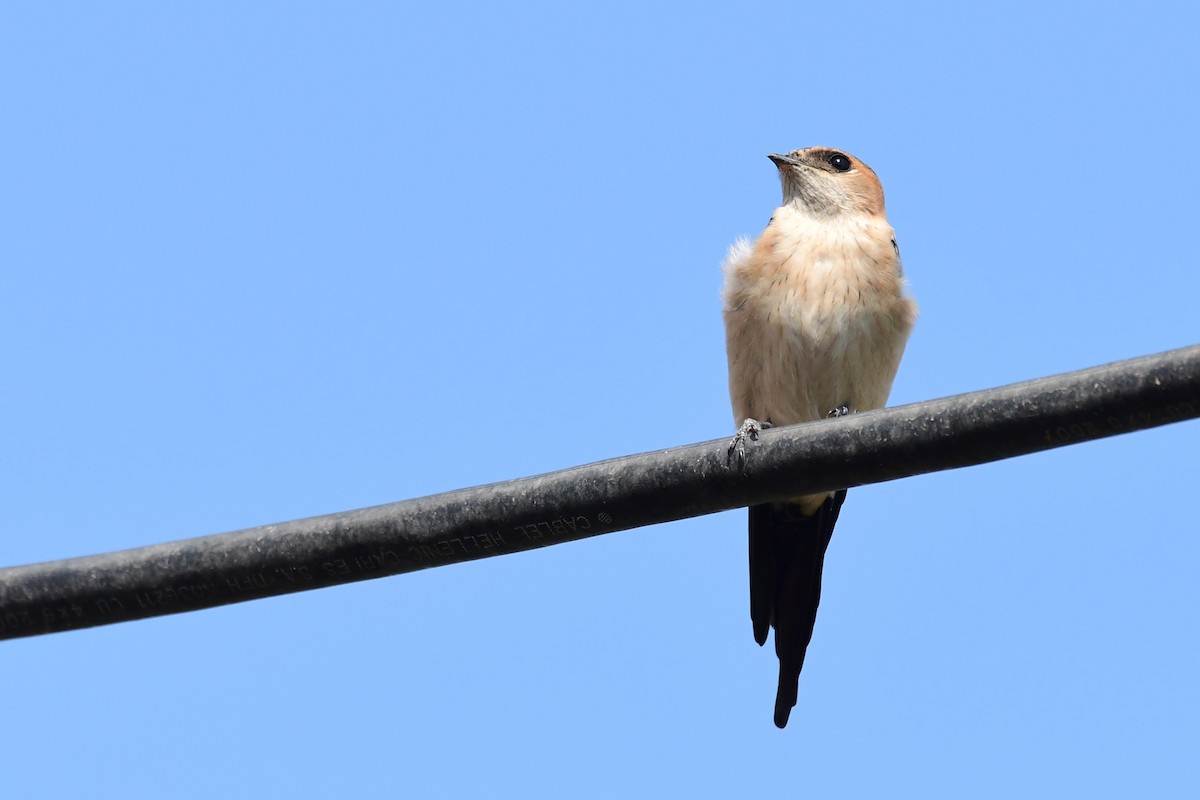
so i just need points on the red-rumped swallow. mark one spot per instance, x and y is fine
(816, 319)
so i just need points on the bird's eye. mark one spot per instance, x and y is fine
(839, 162)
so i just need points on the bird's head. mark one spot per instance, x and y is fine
(828, 182)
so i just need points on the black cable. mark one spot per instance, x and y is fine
(600, 498)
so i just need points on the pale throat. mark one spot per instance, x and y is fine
(839, 242)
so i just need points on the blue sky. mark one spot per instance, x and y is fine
(264, 261)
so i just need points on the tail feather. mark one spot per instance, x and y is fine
(787, 554)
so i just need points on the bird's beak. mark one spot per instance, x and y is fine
(785, 161)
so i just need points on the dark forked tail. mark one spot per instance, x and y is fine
(787, 553)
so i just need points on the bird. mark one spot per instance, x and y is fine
(817, 316)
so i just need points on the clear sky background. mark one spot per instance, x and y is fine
(260, 261)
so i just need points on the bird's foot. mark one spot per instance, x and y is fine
(840, 411)
(749, 431)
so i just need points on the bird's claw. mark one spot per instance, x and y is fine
(749, 431)
(840, 411)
